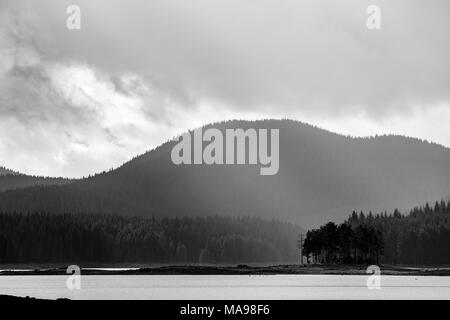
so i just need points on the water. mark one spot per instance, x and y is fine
(227, 287)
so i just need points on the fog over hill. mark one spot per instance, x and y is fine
(322, 176)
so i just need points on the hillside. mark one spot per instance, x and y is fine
(19, 181)
(11, 180)
(322, 176)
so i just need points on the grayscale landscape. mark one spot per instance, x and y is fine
(210, 149)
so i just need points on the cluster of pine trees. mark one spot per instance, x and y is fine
(343, 244)
(420, 237)
(83, 238)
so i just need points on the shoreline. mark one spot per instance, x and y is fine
(241, 269)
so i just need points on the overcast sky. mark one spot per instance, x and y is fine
(75, 102)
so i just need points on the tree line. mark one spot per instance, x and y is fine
(421, 237)
(78, 238)
(333, 243)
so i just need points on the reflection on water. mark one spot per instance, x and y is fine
(227, 287)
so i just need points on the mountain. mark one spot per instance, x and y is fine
(10, 180)
(322, 176)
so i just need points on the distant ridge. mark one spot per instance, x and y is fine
(11, 180)
(323, 176)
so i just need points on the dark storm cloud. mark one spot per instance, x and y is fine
(312, 55)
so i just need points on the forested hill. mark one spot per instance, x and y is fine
(11, 180)
(322, 176)
(94, 238)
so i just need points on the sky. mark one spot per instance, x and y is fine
(138, 73)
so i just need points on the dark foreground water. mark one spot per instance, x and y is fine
(227, 287)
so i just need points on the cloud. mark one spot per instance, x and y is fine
(317, 56)
(140, 72)
(65, 117)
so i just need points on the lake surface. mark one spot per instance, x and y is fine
(227, 287)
